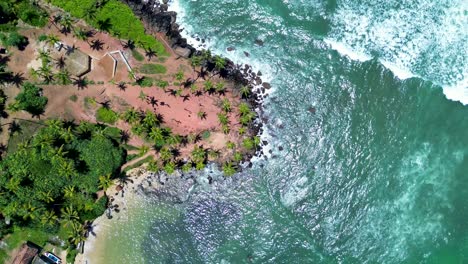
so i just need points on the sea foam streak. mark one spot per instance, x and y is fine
(425, 39)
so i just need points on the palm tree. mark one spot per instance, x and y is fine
(52, 39)
(66, 169)
(201, 114)
(96, 44)
(143, 150)
(208, 86)
(67, 24)
(48, 218)
(152, 166)
(105, 182)
(77, 235)
(229, 169)
(131, 116)
(81, 83)
(80, 34)
(223, 119)
(122, 86)
(242, 131)
(69, 216)
(46, 73)
(156, 134)
(179, 76)
(244, 109)
(226, 105)
(221, 88)
(69, 191)
(130, 44)
(150, 54)
(247, 118)
(63, 77)
(245, 91)
(165, 154)
(150, 119)
(196, 61)
(44, 56)
(225, 129)
(169, 168)
(220, 63)
(60, 62)
(198, 154)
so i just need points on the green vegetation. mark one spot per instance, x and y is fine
(153, 69)
(139, 163)
(74, 98)
(48, 184)
(30, 99)
(137, 55)
(106, 115)
(28, 11)
(13, 39)
(112, 16)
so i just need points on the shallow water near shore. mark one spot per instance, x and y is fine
(377, 174)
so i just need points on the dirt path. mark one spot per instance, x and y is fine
(134, 161)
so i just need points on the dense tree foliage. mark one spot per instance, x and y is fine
(27, 11)
(31, 100)
(50, 182)
(114, 17)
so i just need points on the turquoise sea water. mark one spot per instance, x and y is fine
(379, 174)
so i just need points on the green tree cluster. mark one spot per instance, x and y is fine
(50, 182)
(112, 16)
(31, 100)
(26, 10)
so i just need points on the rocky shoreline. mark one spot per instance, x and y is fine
(157, 19)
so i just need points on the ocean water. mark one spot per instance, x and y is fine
(378, 174)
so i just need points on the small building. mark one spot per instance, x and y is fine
(78, 63)
(26, 253)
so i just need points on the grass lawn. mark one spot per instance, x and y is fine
(153, 69)
(137, 55)
(138, 164)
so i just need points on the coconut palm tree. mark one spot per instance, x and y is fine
(229, 169)
(166, 154)
(208, 86)
(131, 116)
(63, 77)
(150, 119)
(170, 167)
(223, 119)
(44, 56)
(52, 39)
(130, 44)
(67, 24)
(244, 109)
(69, 216)
(122, 86)
(150, 54)
(60, 62)
(198, 154)
(96, 44)
(80, 34)
(244, 91)
(221, 88)
(105, 182)
(48, 218)
(219, 62)
(225, 129)
(156, 134)
(81, 83)
(201, 114)
(179, 76)
(46, 74)
(242, 131)
(226, 105)
(69, 191)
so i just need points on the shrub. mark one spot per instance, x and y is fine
(74, 98)
(106, 115)
(145, 82)
(153, 69)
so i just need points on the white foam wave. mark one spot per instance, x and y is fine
(425, 39)
(346, 50)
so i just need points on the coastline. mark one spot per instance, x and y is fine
(159, 21)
